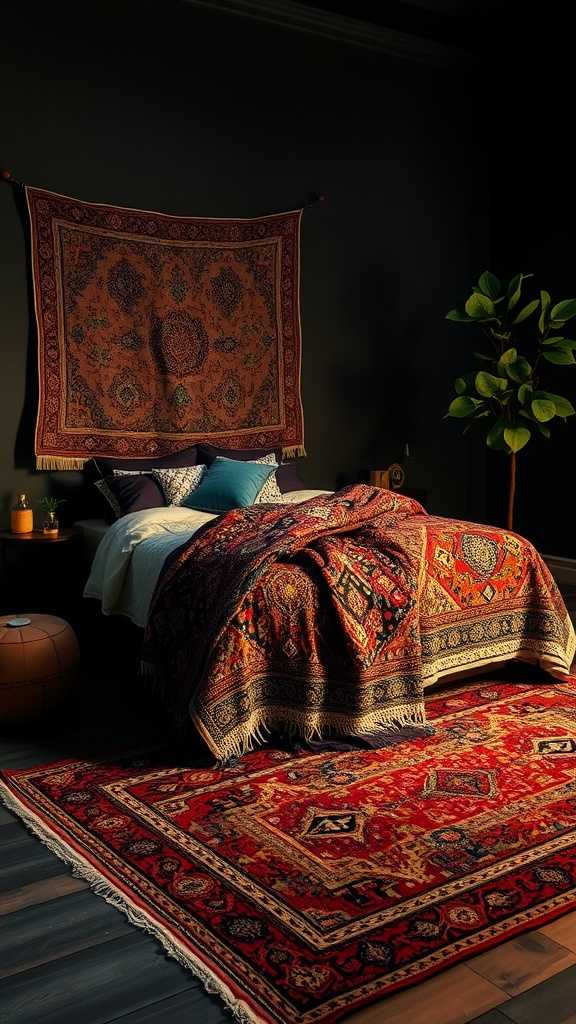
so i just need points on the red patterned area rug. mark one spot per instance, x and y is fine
(302, 887)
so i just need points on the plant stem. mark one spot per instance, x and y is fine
(511, 491)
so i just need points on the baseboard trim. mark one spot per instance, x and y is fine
(562, 569)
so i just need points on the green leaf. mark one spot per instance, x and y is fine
(495, 436)
(564, 311)
(515, 290)
(460, 385)
(487, 359)
(519, 371)
(564, 408)
(543, 409)
(462, 407)
(559, 356)
(517, 437)
(545, 431)
(551, 340)
(525, 393)
(545, 301)
(489, 284)
(488, 385)
(479, 307)
(509, 356)
(459, 315)
(526, 311)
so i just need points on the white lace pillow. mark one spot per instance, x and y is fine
(177, 484)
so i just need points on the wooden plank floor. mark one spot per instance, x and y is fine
(66, 955)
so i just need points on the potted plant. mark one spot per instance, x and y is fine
(509, 394)
(49, 506)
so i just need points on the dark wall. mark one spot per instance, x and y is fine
(534, 231)
(166, 107)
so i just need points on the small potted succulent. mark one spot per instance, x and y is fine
(49, 506)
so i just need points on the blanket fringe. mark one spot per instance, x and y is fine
(299, 727)
(81, 869)
(58, 462)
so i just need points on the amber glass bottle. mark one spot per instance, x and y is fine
(22, 516)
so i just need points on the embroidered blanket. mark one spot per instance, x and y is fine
(155, 331)
(331, 617)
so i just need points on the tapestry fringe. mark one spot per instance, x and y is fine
(58, 462)
(81, 869)
(294, 452)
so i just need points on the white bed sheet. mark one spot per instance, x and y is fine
(132, 551)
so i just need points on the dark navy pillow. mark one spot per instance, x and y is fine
(130, 493)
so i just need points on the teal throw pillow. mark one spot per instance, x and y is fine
(229, 484)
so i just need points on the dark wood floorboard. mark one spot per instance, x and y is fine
(67, 957)
(552, 1002)
(24, 858)
(194, 1007)
(44, 891)
(53, 930)
(97, 985)
(6, 816)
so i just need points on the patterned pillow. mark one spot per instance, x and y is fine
(112, 500)
(177, 484)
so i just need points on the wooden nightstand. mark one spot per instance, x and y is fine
(39, 572)
(382, 478)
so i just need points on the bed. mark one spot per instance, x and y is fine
(326, 614)
(126, 558)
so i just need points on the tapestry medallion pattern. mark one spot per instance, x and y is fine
(156, 331)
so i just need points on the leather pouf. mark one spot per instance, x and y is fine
(38, 663)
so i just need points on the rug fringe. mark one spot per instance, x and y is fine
(57, 462)
(81, 869)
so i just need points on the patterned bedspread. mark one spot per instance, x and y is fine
(331, 617)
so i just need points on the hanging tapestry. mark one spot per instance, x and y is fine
(155, 331)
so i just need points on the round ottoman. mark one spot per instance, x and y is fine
(39, 658)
